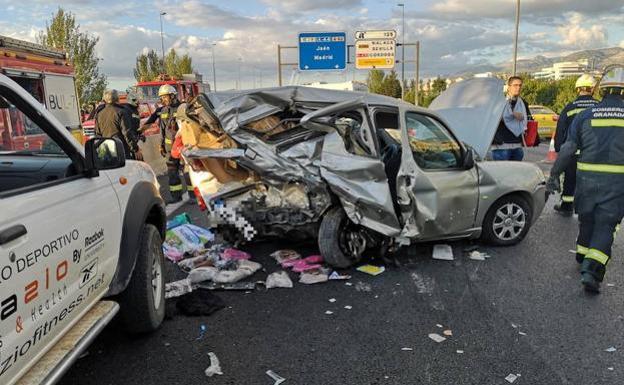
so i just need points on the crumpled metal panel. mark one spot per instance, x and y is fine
(361, 184)
(473, 109)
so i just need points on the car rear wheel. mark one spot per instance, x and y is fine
(507, 222)
(143, 301)
(341, 242)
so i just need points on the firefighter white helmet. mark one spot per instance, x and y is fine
(167, 89)
(613, 77)
(585, 81)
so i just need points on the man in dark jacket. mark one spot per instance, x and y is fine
(113, 121)
(585, 88)
(508, 140)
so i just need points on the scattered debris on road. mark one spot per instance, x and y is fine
(278, 279)
(336, 276)
(215, 366)
(478, 256)
(407, 349)
(610, 350)
(329, 312)
(276, 377)
(178, 288)
(436, 337)
(460, 352)
(371, 269)
(348, 307)
(363, 287)
(332, 300)
(448, 332)
(522, 333)
(511, 378)
(202, 332)
(443, 252)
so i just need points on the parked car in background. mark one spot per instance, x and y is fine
(358, 171)
(546, 120)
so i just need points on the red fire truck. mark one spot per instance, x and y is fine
(48, 76)
(189, 86)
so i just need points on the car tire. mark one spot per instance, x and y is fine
(507, 221)
(331, 238)
(143, 301)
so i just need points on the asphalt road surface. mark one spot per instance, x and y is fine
(522, 311)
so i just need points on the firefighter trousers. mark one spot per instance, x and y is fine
(569, 186)
(176, 188)
(600, 206)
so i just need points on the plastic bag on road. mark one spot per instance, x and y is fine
(215, 366)
(278, 279)
(282, 256)
(178, 288)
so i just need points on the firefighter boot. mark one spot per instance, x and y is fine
(590, 283)
(564, 209)
(592, 273)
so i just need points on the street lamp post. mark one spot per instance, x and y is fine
(162, 40)
(402, 5)
(515, 57)
(214, 72)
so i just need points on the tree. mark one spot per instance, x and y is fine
(385, 84)
(392, 85)
(149, 66)
(64, 33)
(375, 81)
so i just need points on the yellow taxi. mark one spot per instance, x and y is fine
(546, 120)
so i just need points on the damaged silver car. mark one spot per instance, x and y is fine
(360, 172)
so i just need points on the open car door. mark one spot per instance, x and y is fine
(351, 166)
(437, 184)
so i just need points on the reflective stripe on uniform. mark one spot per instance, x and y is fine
(607, 168)
(190, 188)
(168, 141)
(164, 115)
(578, 152)
(582, 250)
(607, 122)
(597, 256)
(575, 111)
(567, 198)
(175, 187)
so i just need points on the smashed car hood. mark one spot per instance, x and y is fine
(473, 108)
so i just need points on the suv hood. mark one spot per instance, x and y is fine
(473, 108)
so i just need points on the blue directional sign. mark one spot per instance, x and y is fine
(322, 51)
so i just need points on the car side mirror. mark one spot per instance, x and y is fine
(469, 161)
(104, 154)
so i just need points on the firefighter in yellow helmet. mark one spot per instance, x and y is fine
(598, 132)
(166, 115)
(585, 88)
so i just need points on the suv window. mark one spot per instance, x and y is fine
(28, 155)
(432, 145)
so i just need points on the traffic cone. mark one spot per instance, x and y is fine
(551, 156)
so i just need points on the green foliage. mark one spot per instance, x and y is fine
(64, 33)
(554, 94)
(385, 84)
(149, 66)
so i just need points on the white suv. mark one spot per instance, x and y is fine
(77, 226)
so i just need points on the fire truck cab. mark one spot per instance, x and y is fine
(47, 75)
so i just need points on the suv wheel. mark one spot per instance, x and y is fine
(341, 242)
(143, 301)
(507, 222)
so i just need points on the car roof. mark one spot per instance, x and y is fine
(304, 94)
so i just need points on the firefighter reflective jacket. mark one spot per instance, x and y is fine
(599, 133)
(567, 116)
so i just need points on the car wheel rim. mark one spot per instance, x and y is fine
(157, 280)
(509, 221)
(353, 242)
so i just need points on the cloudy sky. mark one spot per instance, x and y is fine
(456, 35)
